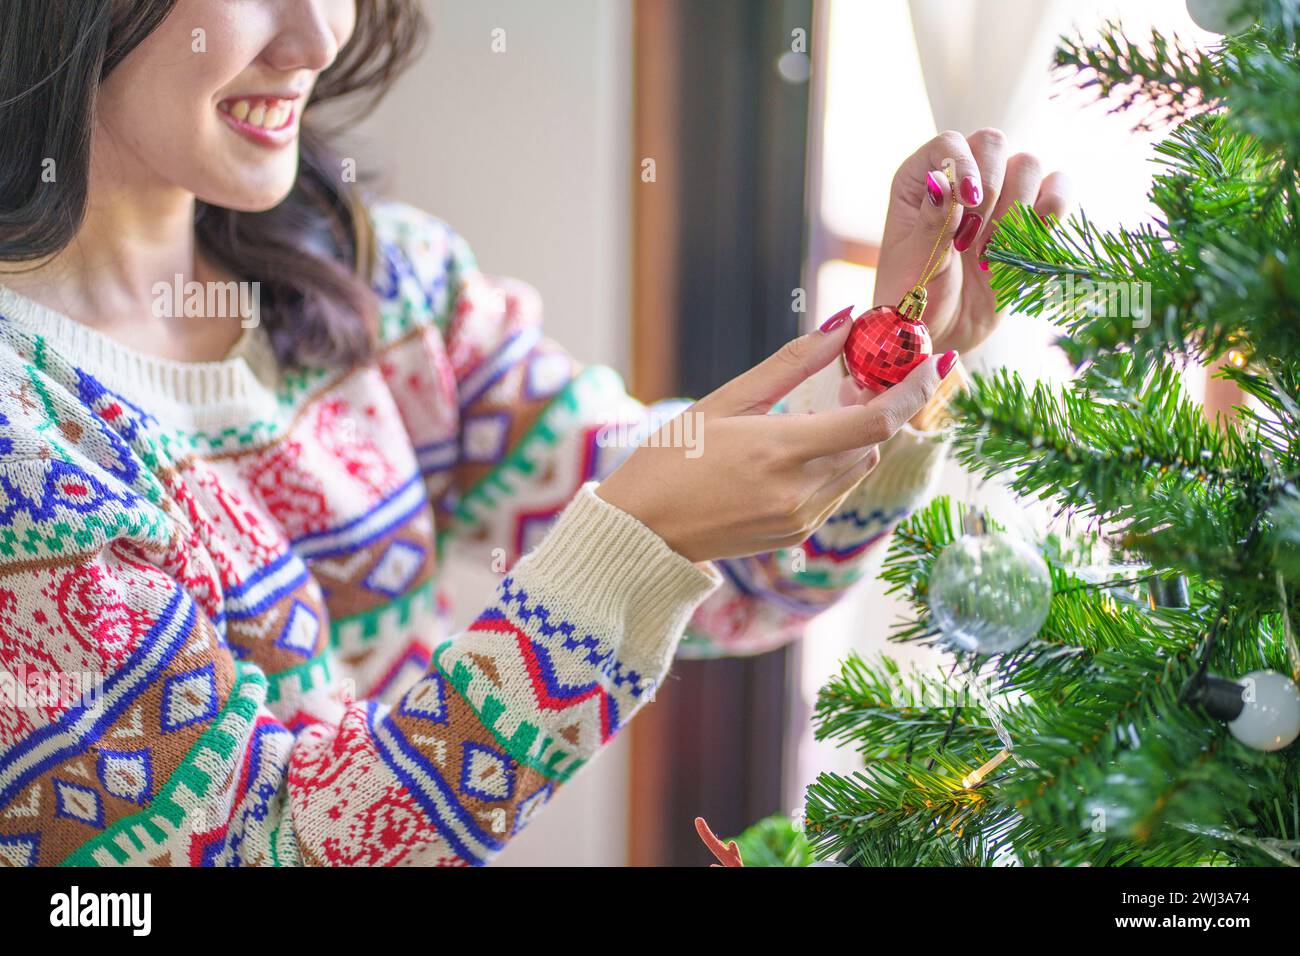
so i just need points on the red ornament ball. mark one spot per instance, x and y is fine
(884, 345)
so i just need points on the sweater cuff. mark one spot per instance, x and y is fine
(909, 465)
(937, 414)
(602, 566)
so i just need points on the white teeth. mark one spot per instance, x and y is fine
(268, 114)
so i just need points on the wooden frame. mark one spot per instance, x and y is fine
(656, 67)
(719, 245)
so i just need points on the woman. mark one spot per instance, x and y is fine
(221, 527)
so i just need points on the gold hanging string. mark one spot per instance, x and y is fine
(934, 260)
(913, 304)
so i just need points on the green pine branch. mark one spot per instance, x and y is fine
(885, 714)
(1125, 447)
(1164, 78)
(888, 810)
(1208, 276)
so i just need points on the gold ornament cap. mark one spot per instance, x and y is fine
(913, 304)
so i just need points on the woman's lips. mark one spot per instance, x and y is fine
(266, 120)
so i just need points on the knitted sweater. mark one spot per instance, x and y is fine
(221, 635)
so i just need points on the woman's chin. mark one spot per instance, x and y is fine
(245, 199)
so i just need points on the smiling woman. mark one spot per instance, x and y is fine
(84, 73)
(235, 531)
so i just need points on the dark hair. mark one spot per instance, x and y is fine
(311, 253)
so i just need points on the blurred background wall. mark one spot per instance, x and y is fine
(527, 152)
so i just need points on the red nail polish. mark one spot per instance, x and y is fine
(967, 231)
(970, 191)
(934, 189)
(984, 265)
(836, 320)
(944, 365)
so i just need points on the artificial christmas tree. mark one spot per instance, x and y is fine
(1150, 719)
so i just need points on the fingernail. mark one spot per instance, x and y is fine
(944, 365)
(836, 320)
(984, 265)
(934, 188)
(970, 191)
(967, 231)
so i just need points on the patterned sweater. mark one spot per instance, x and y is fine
(222, 640)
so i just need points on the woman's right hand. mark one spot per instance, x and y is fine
(760, 481)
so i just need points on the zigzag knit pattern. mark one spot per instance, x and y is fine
(222, 640)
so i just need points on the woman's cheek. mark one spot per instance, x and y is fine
(342, 18)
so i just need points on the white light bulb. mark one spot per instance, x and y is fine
(1218, 16)
(1270, 719)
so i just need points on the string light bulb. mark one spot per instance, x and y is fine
(976, 777)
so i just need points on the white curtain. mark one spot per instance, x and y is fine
(982, 59)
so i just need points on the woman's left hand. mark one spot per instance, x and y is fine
(960, 309)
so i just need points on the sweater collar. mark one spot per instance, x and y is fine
(187, 395)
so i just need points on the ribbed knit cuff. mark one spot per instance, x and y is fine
(937, 414)
(605, 567)
(909, 466)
